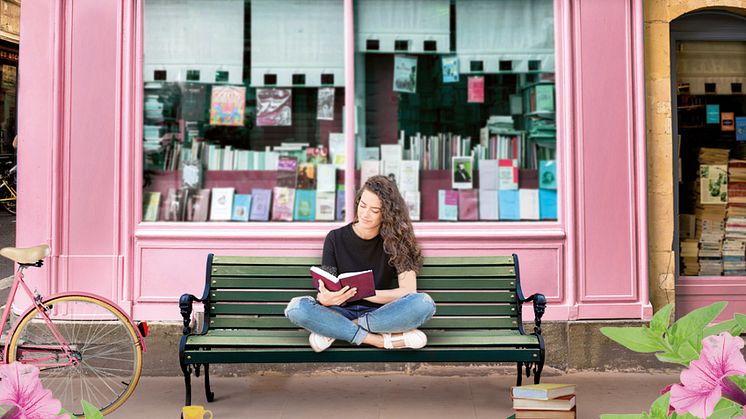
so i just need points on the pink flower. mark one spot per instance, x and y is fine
(20, 386)
(705, 381)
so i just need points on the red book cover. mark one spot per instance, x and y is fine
(468, 208)
(363, 281)
(476, 89)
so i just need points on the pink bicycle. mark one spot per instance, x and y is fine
(85, 346)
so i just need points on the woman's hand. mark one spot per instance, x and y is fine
(334, 298)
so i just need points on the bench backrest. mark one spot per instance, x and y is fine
(470, 292)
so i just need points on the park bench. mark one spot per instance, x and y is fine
(478, 317)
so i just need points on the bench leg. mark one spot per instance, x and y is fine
(537, 371)
(209, 395)
(187, 384)
(519, 379)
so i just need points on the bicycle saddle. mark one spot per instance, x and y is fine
(27, 254)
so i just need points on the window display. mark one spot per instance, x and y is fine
(243, 109)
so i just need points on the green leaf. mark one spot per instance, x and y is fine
(726, 409)
(671, 358)
(659, 409)
(616, 416)
(731, 326)
(90, 411)
(741, 320)
(740, 380)
(637, 339)
(690, 349)
(694, 322)
(660, 320)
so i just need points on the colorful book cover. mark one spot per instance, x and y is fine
(261, 200)
(548, 174)
(368, 169)
(325, 105)
(241, 207)
(174, 206)
(712, 114)
(462, 174)
(529, 203)
(274, 107)
(221, 207)
(199, 205)
(489, 204)
(337, 149)
(405, 74)
(412, 199)
(193, 101)
(726, 121)
(488, 174)
(327, 178)
(306, 176)
(509, 204)
(409, 175)
(741, 128)
(450, 69)
(476, 89)
(713, 182)
(325, 205)
(468, 205)
(287, 172)
(547, 204)
(305, 205)
(447, 205)
(340, 216)
(283, 204)
(228, 105)
(507, 174)
(150, 203)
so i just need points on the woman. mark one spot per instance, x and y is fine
(380, 238)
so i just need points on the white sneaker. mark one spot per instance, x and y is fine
(319, 343)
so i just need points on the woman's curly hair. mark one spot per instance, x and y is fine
(396, 227)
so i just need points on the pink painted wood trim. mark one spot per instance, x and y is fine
(641, 160)
(565, 149)
(349, 34)
(60, 188)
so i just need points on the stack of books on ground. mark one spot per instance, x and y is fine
(711, 210)
(734, 246)
(546, 401)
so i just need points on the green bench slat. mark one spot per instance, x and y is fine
(434, 323)
(469, 260)
(300, 338)
(423, 284)
(442, 309)
(362, 354)
(289, 271)
(438, 296)
(467, 271)
(309, 261)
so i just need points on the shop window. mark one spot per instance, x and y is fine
(244, 99)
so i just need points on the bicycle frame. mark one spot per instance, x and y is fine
(6, 184)
(38, 305)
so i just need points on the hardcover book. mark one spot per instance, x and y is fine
(368, 169)
(509, 205)
(337, 149)
(287, 172)
(193, 101)
(174, 207)
(326, 177)
(713, 180)
(450, 69)
(191, 174)
(325, 108)
(409, 175)
(241, 207)
(468, 201)
(488, 204)
(283, 204)
(412, 199)
(340, 216)
(727, 122)
(221, 204)
(447, 205)
(488, 174)
(305, 205)
(391, 170)
(712, 114)
(507, 173)
(560, 403)
(544, 391)
(227, 105)
(548, 174)
(325, 205)
(741, 128)
(150, 203)
(545, 414)
(544, 98)
(261, 200)
(363, 281)
(529, 203)
(462, 174)
(405, 74)
(547, 204)
(475, 89)
(306, 176)
(274, 107)
(198, 206)
(391, 152)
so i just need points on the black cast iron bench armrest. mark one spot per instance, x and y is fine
(540, 304)
(185, 306)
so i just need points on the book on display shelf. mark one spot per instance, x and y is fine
(260, 204)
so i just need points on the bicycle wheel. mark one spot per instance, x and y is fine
(101, 338)
(10, 204)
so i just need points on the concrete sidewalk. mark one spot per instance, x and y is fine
(437, 393)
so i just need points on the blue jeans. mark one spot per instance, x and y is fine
(406, 313)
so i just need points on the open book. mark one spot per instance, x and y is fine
(363, 281)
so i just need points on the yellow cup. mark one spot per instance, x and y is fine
(194, 412)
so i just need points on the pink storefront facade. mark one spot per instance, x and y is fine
(80, 129)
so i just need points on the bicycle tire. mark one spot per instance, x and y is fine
(9, 206)
(97, 340)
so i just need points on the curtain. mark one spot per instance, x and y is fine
(415, 21)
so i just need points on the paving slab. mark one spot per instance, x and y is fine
(386, 395)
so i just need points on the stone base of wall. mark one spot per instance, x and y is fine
(571, 346)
